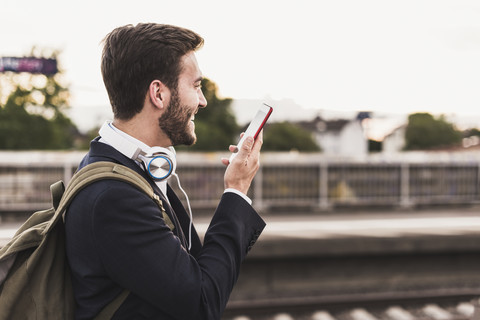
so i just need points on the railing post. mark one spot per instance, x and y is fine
(67, 172)
(323, 186)
(405, 199)
(477, 196)
(258, 189)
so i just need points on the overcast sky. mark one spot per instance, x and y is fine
(390, 57)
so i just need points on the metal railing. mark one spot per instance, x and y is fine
(301, 181)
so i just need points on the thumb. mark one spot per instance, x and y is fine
(246, 148)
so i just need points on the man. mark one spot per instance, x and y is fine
(116, 236)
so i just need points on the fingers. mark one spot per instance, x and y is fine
(241, 171)
(252, 147)
(225, 161)
(249, 146)
(258, 142)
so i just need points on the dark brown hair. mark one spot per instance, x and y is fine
(134, 56)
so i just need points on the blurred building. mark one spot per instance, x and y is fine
(339, 137)
(395, 140)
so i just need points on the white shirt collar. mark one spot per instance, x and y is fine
(145, 148)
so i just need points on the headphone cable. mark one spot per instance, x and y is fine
(189, 211)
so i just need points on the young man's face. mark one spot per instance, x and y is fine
(177, 121)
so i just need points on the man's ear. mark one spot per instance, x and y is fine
(158, 93)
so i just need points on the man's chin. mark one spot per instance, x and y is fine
(186, 141)
(192, 142)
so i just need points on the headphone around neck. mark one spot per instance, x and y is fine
(159, 162)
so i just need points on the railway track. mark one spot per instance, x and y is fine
(418, 305)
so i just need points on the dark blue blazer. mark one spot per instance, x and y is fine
(116, 238)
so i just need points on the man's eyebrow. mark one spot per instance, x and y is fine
(200, 78)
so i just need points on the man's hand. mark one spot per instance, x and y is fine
(244, 166)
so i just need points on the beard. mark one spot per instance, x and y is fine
(175, 122)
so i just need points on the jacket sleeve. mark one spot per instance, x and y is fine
(140, 253)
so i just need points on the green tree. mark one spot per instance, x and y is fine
(216, 126)
(32, 115)
(285, 136)
(426, 132)
(472, 132)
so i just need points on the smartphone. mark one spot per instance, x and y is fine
(255, 126)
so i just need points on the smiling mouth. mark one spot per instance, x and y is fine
(192, 118)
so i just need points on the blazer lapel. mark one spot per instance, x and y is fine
(178, 231)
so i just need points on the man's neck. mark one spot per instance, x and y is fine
(143, 131)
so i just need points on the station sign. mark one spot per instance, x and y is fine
(29, 64)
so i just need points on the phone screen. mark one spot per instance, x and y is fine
(258, 121)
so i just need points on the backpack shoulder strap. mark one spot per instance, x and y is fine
(99, 171)
(57, 189)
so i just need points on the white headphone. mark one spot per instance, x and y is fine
(159, 162)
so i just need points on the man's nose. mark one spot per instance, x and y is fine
(202, 101)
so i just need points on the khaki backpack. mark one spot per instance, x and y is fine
(35, 278)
